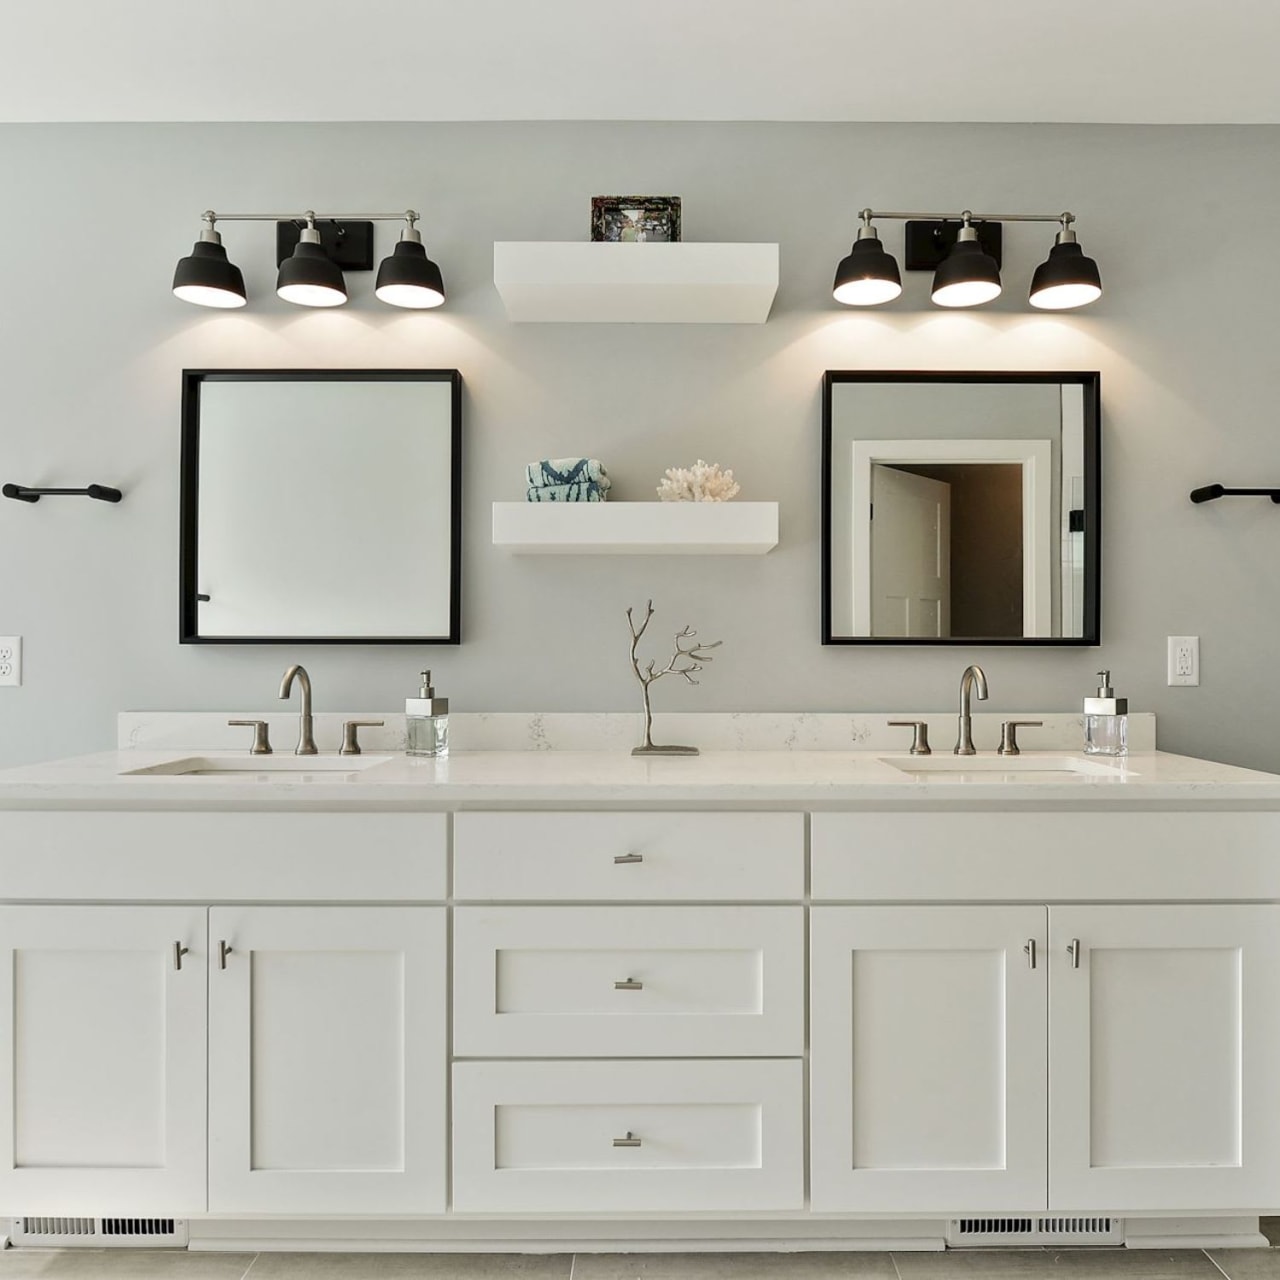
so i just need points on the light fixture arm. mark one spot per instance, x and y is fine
(309, 215)
(895, 216)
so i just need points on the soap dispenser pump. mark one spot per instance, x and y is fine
(426, 722)
(1106, 721)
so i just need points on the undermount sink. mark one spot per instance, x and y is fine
(283, 766)
(1037, 767)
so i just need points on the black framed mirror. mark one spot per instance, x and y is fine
(961, 508)
(321, 506)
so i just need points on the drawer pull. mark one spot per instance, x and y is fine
(223, 952)
(628, 984)
(178, 952)
(1030, 949)
(627, 859)
(629, 1141)
(1073, 950)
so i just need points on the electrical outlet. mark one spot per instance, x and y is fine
(10, 660)
(1184, 660)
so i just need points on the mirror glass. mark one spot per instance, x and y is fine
(960, 508)
(321, 506)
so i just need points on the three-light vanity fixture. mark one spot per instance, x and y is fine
(965, 255)
(311, 275)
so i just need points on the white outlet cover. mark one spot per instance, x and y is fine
(10, 660)
(1184, 660)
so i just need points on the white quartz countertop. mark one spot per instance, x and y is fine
(478, 779)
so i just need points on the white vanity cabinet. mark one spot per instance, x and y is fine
(928, 1062)
(327, 1074)
(102, 1076)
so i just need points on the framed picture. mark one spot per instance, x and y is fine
(636, 219)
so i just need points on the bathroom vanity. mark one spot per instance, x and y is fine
(570, 999)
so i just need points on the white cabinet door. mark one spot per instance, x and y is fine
(629, 982)
(102, 1060)
(327, 1060)
(927, 1071)
(1164, 1058)
(628, 1137)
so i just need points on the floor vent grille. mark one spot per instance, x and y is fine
(1034, 1230)
(99, 1233)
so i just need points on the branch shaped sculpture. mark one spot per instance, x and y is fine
(688, 660)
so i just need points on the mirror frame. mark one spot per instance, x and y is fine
(188, 589)
(1091, 383)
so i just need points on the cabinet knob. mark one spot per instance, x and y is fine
(628, 984)
(629, 1141)
(224, 950)
(628, 859)
(178, 952)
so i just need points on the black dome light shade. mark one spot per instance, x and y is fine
(1066, 278)
(968, 276)
(868, 276)
(308, 278)
(408, 278)
(206, 277)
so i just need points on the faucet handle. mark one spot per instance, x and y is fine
(920, 741)
(261, 743)
(1009, 736)
(350, 740)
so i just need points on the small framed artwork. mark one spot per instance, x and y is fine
(636, 219)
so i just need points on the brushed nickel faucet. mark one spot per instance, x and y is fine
(306, 738)
(974, 677)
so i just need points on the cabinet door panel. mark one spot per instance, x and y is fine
(327, 1060)
(928, 1059)
(1164, 1052)
(102, 1074)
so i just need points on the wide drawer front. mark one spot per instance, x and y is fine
(1044, 857)
(588, 1137)
(585, 857)
(223, 857)
(628, 981)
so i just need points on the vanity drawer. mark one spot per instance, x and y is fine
(628, 981)
(590, 1137)
(1045, 857)
(604, 857)
(223, 857)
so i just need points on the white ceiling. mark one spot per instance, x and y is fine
(1158, 61)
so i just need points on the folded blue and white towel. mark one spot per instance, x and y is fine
(560, 471)
(587, 491)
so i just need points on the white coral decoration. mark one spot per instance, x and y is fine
(703, 482)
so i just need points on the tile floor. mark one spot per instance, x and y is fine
(1019, 1264)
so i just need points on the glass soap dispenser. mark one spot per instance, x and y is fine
(426, 722)
(1106, 721)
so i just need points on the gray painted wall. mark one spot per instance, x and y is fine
(92, 219)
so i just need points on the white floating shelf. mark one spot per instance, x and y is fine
(597, 282)
(636, 528)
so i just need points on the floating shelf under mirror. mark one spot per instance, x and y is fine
(636, 528)
(597, 282)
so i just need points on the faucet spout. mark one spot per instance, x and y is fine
(974, 678)
(306, 725)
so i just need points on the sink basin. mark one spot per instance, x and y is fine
(1035, 767)
(284, 767)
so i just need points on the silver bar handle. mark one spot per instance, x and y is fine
(261, 743)
(350, 735)
(1073, 950)
(629, 1141)
(224, 950)
(629, 984)
(627, 859)
(920, 740)
(178, 952)
(1030, 948)
(1009, 736)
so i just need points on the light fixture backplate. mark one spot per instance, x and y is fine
(928, 243)
(348, 245)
